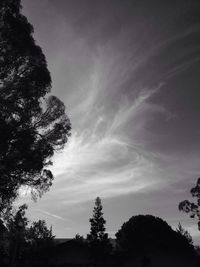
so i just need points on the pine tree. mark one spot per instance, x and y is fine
(98, 239)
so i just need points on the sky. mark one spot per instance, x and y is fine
(129, 73)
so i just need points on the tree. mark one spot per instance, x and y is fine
(39, 236)
(32, 125)
(98, 239)
(190, 207)
(79, 239)
(22, 242)
(143, 233)
(39, 240)
(27, 242)
(3, 247)
(17, 228)
(13, 226)
(184, 233)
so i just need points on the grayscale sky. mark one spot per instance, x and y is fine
(128, 72)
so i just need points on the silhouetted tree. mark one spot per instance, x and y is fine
(29, 243)
(143, 233)
(98, 239)
(192, 208)
(17, 228)
(32, 127)
(38, 234)
(3, 243)
(79, 239)
(39, 240)
(184, 233)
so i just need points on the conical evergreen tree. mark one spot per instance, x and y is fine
(98, 239)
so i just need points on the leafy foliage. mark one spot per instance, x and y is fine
(184, 233)
(98, 239)
(24, 241)
(192, 208)
(38, 235)
(17, 227)
(32, 127)
(79, 239)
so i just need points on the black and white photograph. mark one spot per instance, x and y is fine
(99, 133)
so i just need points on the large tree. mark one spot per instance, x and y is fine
(32, 125)
(98, 238)
(143, 233)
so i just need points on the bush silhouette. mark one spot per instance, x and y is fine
(146, 232)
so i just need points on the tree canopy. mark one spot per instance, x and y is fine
(33, 124)
(39, 236)
(146, 232)
(24, 240)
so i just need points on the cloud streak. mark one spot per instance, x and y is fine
(101, 160)
(49, 214)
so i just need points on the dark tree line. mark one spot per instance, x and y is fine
(32, 244)
(140, 234)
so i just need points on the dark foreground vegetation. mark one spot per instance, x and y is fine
(144, 240)
(33, 125)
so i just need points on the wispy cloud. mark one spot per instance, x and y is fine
(49, 214)
(103, 161)
(132, 97)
